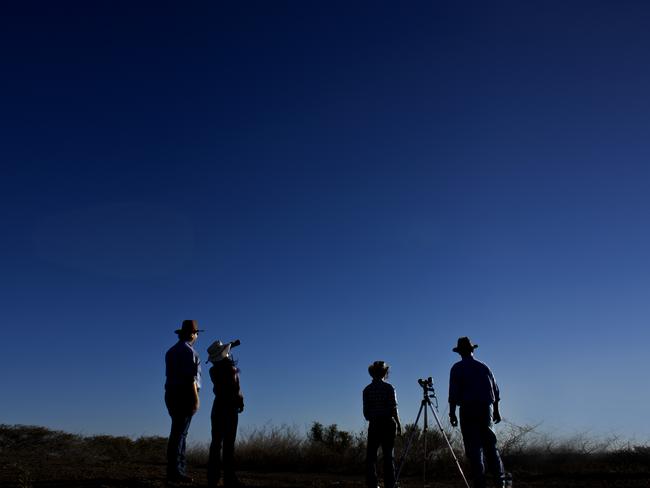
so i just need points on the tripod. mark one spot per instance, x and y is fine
(428, 393)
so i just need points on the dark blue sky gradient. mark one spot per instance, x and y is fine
(333, 184)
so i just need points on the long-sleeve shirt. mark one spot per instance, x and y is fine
(182, 366)
(379, 400)
(472, 383)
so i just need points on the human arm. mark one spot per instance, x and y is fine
(398, 424)
(195, 398)
(365, 404)
(453, 395)
(237, 388)
(240, 402)
(453, 420)
(394, 413)
(496, 414)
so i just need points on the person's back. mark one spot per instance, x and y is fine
(472, 382)
(225, 380)
(472, 387)
(378, 400)
(182, 365)
(380, 409)
(182, 384)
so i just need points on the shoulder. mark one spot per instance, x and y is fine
(481, 364)
(184, 350)
(384, 386)
(221, 367)
(174, 349)
(192, 350)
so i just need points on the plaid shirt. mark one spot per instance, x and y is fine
(379, 400)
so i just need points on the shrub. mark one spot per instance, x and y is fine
(27, 452)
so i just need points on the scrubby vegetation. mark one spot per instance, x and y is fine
(19, 441)
(29, 454)
(526, 451)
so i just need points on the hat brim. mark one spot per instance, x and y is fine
(219, 355)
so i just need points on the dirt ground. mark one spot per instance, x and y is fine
(66, 474)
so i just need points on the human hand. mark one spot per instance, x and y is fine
(453, 420)
(496, 416)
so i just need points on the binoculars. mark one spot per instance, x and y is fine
(426, 383)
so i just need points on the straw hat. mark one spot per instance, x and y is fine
(218, 351)
(378, 369)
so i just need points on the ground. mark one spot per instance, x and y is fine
(138, 475)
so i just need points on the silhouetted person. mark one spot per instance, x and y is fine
(380, 410)
(228, 404)
(183, 371)
(472, 387)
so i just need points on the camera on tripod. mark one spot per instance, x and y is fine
(426, 406)
(427, 384)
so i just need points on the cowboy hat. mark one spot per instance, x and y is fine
(464, 345)
(218, 351)
(189, 327)
(378, 369)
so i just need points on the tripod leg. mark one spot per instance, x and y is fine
(425, 430)
(408, 445)
(451, 449)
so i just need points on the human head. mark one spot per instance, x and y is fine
(378, 370)
(189, 330)
(464, 346)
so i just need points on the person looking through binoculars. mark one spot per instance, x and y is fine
(472, 387)
(380, 410)
(228, 404)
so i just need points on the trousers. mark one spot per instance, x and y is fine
(181, 416)
(224, 419)
(381, 432)
(480, 443)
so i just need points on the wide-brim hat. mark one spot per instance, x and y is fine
(378, 369)
(218, 351)
(464, 345)
(189, 327)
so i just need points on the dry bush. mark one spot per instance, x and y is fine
(25, 451)
(526, 450)
(26, 443)
(260, 449)
(284, 448)
(329, 449)
(439, 461)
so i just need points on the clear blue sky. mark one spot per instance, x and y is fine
(332, 183)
